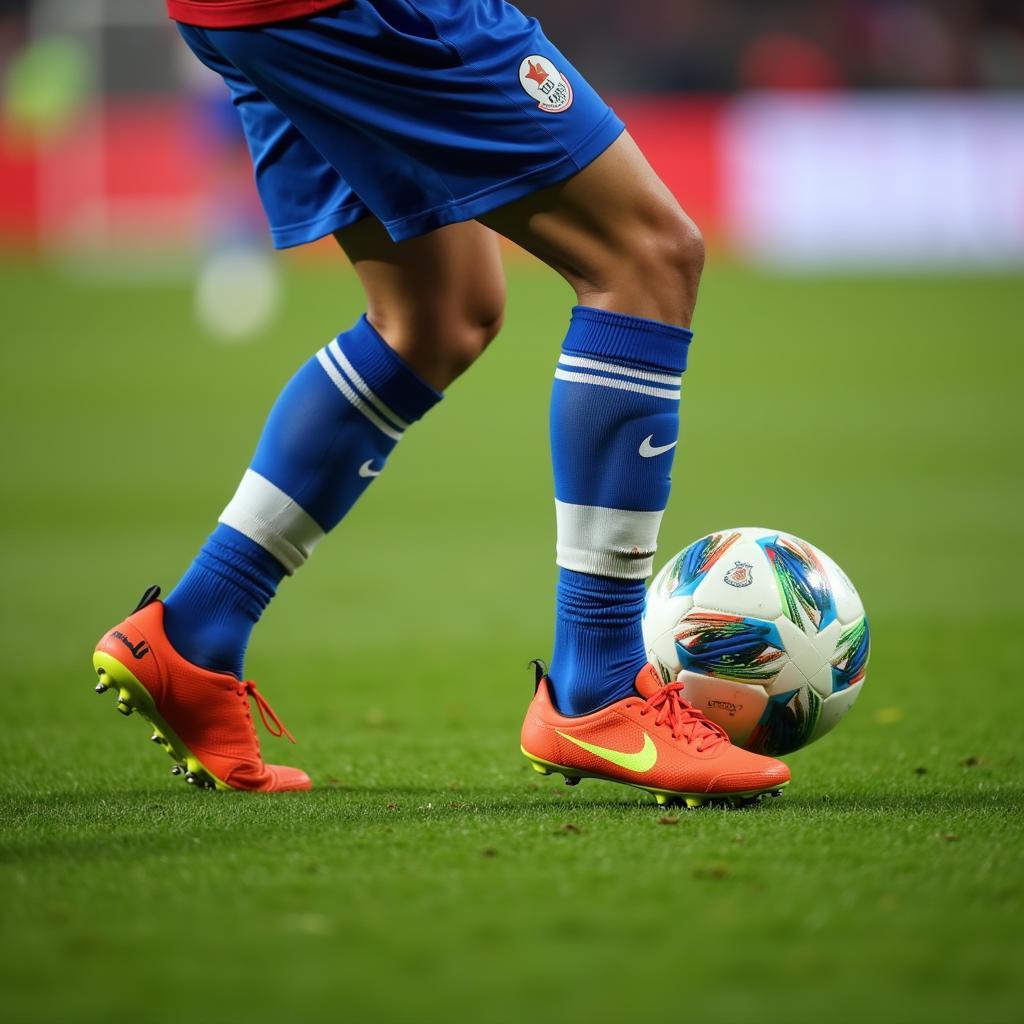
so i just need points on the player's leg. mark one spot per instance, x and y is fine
(438, 299)
(635, 259)
(434, 303)
(616, 233)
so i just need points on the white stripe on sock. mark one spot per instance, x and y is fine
(607, 541)
(628, 371)
(363, 388)
(266, 515)
(343, 386)
(622, 385)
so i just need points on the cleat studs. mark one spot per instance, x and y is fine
(572, 780)
(124, 707)
(156, 738)
(176, 769)
(693, 801)
(102, 687)
(540, 769)
(775, 793)
(661, 798)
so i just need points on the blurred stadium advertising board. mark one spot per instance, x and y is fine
(881, 181)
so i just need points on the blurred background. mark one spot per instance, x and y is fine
(836, 133)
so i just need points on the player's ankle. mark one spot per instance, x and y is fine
(598, 641)
(210, 614)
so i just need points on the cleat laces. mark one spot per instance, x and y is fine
(685, 721)
(268, 716)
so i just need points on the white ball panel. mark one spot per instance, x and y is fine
(736, 707)
(822, 680)
(741, 583)
(801, 648)
(789, 678)
(834, 708)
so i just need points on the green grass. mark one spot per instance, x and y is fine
(431, 876)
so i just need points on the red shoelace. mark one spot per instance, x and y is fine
(268, 716)
(684, 719)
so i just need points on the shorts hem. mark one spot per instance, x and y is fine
(608, 129)
(290, 235)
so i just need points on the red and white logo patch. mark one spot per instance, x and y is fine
(740, 575)
(544, 83)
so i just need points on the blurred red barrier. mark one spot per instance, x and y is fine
(681, 139)
(17, 188)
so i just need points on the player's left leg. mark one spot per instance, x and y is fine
(438, 299)
(434, 304)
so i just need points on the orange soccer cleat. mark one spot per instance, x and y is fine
(654, 740)
(201, 718)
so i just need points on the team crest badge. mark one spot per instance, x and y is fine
(740, 575)
(543, 82)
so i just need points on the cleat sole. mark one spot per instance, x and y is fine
(664, 797)
(132, 697)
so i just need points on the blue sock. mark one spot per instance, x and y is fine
(329, 434)
(211, 612)
(614, 428)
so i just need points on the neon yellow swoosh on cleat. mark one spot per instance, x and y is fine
(642, 761)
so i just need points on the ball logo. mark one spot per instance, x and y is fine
(726, 705)
(740, 575)
(544, 83)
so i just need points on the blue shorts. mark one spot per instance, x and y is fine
(419, 112)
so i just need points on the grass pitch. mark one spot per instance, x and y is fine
(432, 876)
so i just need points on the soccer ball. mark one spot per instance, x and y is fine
(767, 633)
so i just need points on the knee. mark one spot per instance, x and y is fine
(465, 329)
(443, 334)
(470, 331)
(681, 247)
(666, 259)
(649, 264)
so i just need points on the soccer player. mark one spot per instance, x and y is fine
(414, 131)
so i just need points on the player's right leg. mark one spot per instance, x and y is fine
(634, 259)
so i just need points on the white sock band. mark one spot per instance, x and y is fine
(607, 541)
(266, 515)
